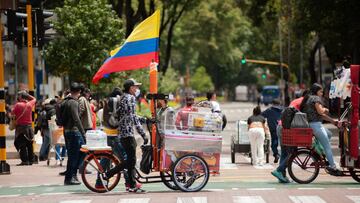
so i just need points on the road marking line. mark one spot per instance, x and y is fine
(4, 196)
(353, 188)
(215, 190)
(31, 193)
(235, 188)
(57, 193)
(225, 163)
(248, 199)
(306, 199)
(261, 189)
(191, 200)
(355, 199)
(76, 201)
(135, 200)
(310, 188)
(24, 186)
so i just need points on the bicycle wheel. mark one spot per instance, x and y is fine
(355, 174)
(95, 166)
(303, 167)
(168, 183)
(190, 173)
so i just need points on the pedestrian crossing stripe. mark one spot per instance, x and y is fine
(248, 199)
(191, 200)
(76, 201)
(306, 199)
(355, 199)
(134, 200)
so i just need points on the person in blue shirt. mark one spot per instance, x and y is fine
(273, 114)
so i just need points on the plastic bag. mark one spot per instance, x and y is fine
(287, 116)
(146, 159)
(300, 121)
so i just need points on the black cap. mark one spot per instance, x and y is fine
(130, 82)
(75, 87)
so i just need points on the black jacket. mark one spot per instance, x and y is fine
(71, 117)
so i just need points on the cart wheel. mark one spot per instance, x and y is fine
(303, 167)
(169, 183)
(355, 174)
(96, 165)
(190, 173)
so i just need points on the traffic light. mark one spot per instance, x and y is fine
(42, 26)
(243, 60)
(263, 76)
(16, 26)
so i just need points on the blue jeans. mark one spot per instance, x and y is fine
(58, 154)
(274, 143)
(119, 151)
(45, 147)
(74, 141)
(285, 153)
(323, 135)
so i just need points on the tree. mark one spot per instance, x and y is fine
(201, 81)
(169, 82)
(88, 30)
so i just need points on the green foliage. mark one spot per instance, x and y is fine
(169, 82)
(201, 81)
(88, 30)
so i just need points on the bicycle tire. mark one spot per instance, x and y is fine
(179, 174)
(355, 174)
(170, 184)
(303, 166)
(92, 180)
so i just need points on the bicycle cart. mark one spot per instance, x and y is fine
(240, 142)
(308, 158)
(184, 154)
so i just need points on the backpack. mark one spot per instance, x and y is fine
(287, 116)
(60, 111)
(110, 112)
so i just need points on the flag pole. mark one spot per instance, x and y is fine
(154, 90)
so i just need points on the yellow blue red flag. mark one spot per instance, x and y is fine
(139, 50)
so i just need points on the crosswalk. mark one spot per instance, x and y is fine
(235, 199)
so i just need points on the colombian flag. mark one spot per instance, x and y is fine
(139, 50)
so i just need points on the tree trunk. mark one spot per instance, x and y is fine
(168, 48)
(311, 67)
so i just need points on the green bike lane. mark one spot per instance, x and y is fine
(59, 189)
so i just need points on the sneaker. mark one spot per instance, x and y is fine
(279, 176)
(276, 159)
(127, 186)
(287, 180)
(136, 190)
(334, 171)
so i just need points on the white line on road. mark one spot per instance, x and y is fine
(353, 188)
(248, 199)
(4, 196)
(57, 193)
(76, 201)
(215, 190)
(234, 188)
(31, 193)
(261, 189)
(24, 186)
(306, 199)
(310, 188)
(191, 200)
(135, 200)
(355, 199)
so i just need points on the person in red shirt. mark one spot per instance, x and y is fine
(296, 102)
(24, 133)
(181, 122)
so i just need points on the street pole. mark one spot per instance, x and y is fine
(30, 64)
(281, 61)
(4, 167)
(301, 61)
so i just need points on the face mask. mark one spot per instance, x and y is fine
(137, 92)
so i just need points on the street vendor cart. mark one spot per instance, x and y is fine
(184, 155)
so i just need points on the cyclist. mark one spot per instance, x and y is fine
(313, 106)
